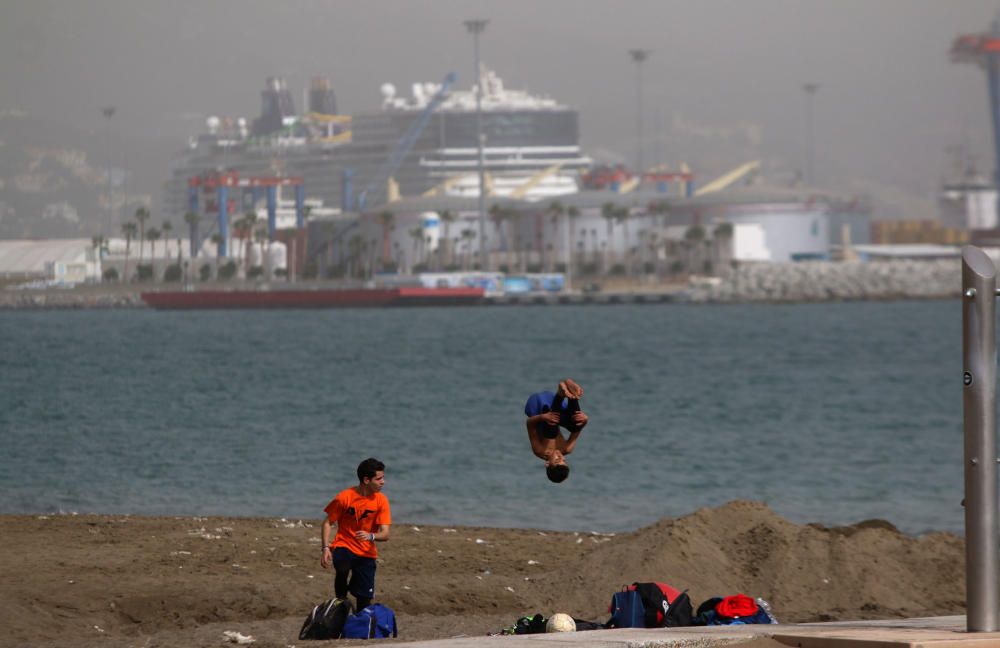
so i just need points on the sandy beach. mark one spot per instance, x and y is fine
(116, 580)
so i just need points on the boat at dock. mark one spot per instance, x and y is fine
(312, 298)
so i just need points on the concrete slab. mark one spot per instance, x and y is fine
(929, 632)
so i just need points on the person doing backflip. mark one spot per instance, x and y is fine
(361, 517)
(546, 413)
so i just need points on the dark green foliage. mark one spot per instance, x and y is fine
(227, 271)
(173, 273)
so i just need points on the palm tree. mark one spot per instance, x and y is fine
(192, 218)
(100, 245)
(653, 244)
(467, 235)
(555, 211)
(447, 217)
(166, 228)
(355, 250)
(141, 216)
(622, 215)
(693, 237)
(722, 238)
(245, 227)
(217, 240)
(573, 214)
(260, 237)
(609, 212)
(417, 234)
(153, 235)
(128, 231)
(498, 215)
(386, 218)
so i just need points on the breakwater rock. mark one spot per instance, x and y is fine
(829, 281)
(56, 299)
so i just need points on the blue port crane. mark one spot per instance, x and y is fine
(984, 51)
(391, 163)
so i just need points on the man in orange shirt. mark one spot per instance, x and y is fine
(361, 517)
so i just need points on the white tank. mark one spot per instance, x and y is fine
(418, 94)
(278, 256)
(256, 255)
(431, 224)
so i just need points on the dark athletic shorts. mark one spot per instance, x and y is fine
(362, 582)
(565, 420)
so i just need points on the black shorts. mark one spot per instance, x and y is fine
(565, 420)
(362, 582)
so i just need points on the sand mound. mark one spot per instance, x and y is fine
(114, 580)
(867, 570)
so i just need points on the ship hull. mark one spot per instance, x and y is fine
(311, 299)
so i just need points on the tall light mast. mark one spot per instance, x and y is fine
(810, 91)
(108, 113)
(639, 56)
(475, 27)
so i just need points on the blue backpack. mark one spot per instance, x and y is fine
(627, 610)
(374, 622)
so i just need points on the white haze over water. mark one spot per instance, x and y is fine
(723, 83)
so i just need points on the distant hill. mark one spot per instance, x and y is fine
(54, 178)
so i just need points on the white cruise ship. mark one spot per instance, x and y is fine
(531, 145)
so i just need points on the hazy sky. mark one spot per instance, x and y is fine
(889, 104)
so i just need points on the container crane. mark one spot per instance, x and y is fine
(729, 179)
(223, 183)
(391, 164)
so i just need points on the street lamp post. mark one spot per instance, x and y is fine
(475, 27)
(810, 90)
(108, 113)
(639, 56)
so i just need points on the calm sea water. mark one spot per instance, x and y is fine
(831, 413)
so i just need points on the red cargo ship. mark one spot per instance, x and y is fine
(317, 298)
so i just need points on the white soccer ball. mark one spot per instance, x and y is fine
(560, 622)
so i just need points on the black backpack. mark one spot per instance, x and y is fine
(326, 621)
(680, 613)
(676, 613)
(530, 625)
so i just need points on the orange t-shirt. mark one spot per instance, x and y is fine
(353, 512)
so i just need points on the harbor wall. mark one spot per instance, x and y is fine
(829, 281)
(811, 281)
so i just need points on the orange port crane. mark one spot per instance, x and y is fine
(222, 183)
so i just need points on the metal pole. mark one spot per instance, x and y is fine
(639, 56)
(109, 112)
(476, 27)
(979, 364)
(810, 90)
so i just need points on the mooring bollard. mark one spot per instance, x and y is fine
(979, 377)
